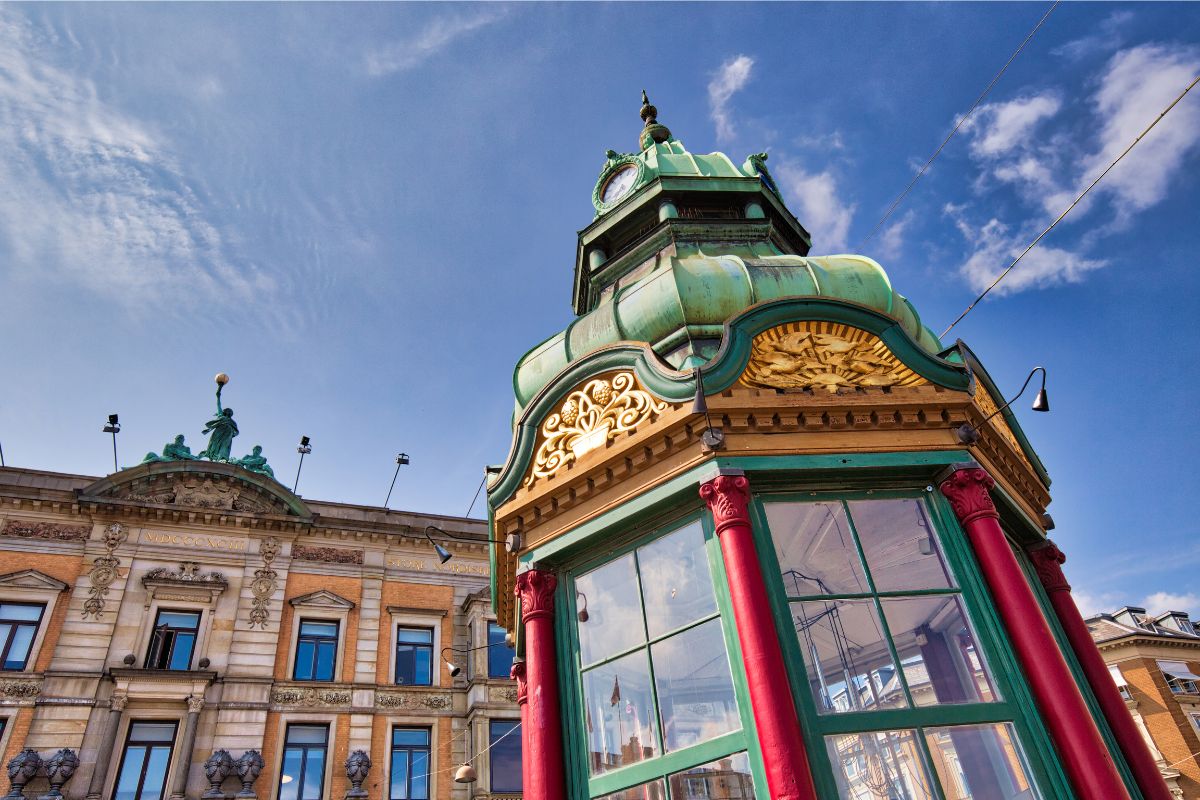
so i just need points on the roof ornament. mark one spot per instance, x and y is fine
(653, 133)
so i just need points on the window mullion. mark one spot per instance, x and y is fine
(660, 735)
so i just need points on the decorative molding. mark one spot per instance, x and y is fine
(413, 700)
(987, 406)
(311, 697)
(416, 611)
(31, 579)
(104, 571)
(328, 555)
(118, 701)
(728, 498)
(203, 491)
(1047, 562)
(967, 490)
(322, 598)
(195, 703)
(188, 573)
(263, 586)
(46, 530)
(518, 674)
(20, 689)
(824, 355)
(588, 418)
(536, 588)
(502, 694)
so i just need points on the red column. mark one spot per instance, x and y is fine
(779, 735)
(1048, 561)
(518, 674)
(1080, 746)
(542, 762)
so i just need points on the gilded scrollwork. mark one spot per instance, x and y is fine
(987, 406)
(588, 418)
(104, 571)
(826, 356)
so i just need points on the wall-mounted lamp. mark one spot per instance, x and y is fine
(304, 449)
(453, 668)
(512, 543)
(712, 438)
(401, 461)
(113, 427)
(969, 434)
(583, 612)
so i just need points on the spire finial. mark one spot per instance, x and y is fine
(653, 132)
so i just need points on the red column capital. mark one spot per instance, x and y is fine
(967, 489)
(1047, 562)
(728, 497)
(517, 673)
(535, 588)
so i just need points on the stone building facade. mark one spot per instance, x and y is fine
(151, 619)
(1155, 661)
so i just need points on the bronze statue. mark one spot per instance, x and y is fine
(173, 451)
(221, 429)
(256, 462)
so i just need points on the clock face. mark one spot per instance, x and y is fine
(619, 184)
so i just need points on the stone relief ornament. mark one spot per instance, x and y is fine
(59, 768)
(21, 770)
(311, 697)
(589, 418)
(358, 764)
(104, 571)
(217, 768)
(188, 572)
(328, 555)
(47, 530)
(20, 689)
(249, 765)
(264, 583)
(433, 702)
(823, 356)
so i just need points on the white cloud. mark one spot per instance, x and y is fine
(729, 79)
(1108, 37)
(91, 196)
(438, 34)
(1092, 603)
(998, 128)
(818, 206)
(1159, 602)
(891, 242)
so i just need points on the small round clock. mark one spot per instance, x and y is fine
(619, 184)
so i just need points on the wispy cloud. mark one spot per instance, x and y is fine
(728, 80)
(437, 34)
(1159, 602)
(819, 205)
(91, 195)
(1108, 37)
(1002, 127)
(890, 243)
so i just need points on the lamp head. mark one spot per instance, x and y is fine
(221, 379)
(512, 543)
(465, 774)
(401, 459)
(1041, 402)
(113, 419)
(443, 554)
(699, 404)
(453, 669)
(304, 441)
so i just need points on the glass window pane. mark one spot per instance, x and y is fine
(289, 774)
(152, 732)
(500, 655)
(156, 774)
(979, 762)
(18, 651)
(884, 764)
(845, 652)
(325, 654)
(420, 776)
(899, 544)
(422, 674)
(695, 690)
(727, 778)
(179, 619)
(399, 775)
(181, 656)
(676, 586)
(131, 773)
(647, 791)
(310, 628)
(504, 738)
(14, 611)
(414, 635)
(619, 713)
(406, 664)
(614, 620)
(306, 734)
(815, 548)
(411, 736)
(304, 661)
(314, 773)
(937, 650)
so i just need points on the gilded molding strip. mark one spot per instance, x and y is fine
(826, 356)
(588, 418)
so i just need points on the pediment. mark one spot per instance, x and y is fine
(202, 485)
(322, 598)
(31, 579)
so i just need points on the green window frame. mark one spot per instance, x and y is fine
(658, 776)
(1013, 706)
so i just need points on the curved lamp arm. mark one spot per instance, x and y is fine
(969, 434)
(512, 544)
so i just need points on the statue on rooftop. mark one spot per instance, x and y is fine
(173, 451)
(221, 428)
(256, 462)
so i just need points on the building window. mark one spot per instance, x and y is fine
(1119, 680)
(881, 628)
(145, 761)
(504, 754)
(18, 627)
(302, 776)
(410, 764)
(500, 655)
(316, 650)
(414, 656)
(1180, 678)
(173, 640)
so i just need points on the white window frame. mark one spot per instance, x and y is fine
(404, 617)
(304, 718)
(319, 606)
(133, 714)
(434, 725)
(32, 586)
(1185, 685)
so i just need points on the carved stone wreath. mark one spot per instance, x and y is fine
(588, 418)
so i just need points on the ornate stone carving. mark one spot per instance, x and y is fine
(1047, 562)
(205, 491)
(20, 689)
(104, 571)
(589, 418)
(264, 584)
(195, 703)
(328, 555)
(967, 490)
(311, 697)
(502, 694)
(414, 700)
(535, 588)
(728, 497)
(249, 765)
(21, 770)
(47, 530)
(217, 768)
(358, 764)
(823, 355)
(188, 572)
(59, 768)
(118, 701)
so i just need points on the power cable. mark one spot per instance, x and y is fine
(1083, 194)
(900, 198)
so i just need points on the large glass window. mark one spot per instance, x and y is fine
(414, 656)
(504, 754)
(1180, 678)
(654, 673)
(302, 776)
(144, 761)
(18, 627)
(500, 655)
(173, 640)
(881, 627)
(410, 764)
(316, 650)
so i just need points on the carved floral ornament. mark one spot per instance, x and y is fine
(264, 584)
(104, 571)
(588, 419)
(824, 355)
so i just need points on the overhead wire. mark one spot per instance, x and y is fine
(900, 198)
(1074, 203)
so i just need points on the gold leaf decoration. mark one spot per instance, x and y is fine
(987, 406)
(589, 418)
(823, 355)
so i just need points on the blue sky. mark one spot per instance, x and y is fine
(365, 214)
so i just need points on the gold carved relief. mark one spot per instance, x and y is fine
(588, 418)
(823, 355)
(987, 406)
